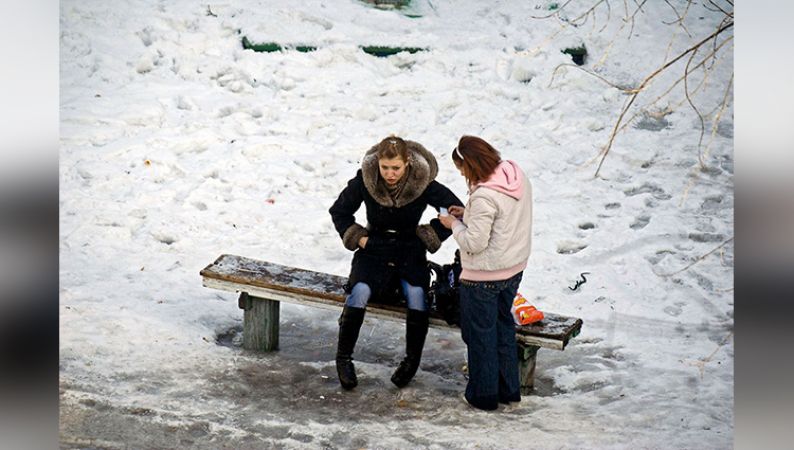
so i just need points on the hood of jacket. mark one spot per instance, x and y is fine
(507, 179)
(423, 170)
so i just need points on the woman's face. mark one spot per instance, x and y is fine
(392, 170)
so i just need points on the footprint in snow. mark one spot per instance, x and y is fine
(640, 223)
(648, 188)
(570, 247)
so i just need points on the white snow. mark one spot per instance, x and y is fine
(177, 146)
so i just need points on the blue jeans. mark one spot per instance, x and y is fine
(361, 292)
(488, 330)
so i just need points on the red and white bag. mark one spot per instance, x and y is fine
(523, 312)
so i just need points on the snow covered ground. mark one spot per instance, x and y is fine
(177, 145)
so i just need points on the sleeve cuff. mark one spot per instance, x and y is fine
(352, 235)
(428, 237)
(458, 226)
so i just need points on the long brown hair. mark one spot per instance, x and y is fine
(477, 158)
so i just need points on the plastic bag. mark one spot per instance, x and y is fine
(523, 312)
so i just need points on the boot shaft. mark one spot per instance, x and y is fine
(349, 326)
(416, 325)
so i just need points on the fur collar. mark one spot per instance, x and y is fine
(424, 169)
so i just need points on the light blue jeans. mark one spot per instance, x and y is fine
(361, 292)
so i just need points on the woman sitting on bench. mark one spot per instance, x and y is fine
(396, 183)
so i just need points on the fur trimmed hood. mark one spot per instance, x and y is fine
(423, 170)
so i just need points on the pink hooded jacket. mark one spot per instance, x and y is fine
(495, 236)
(507, 179)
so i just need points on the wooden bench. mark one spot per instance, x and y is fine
(262, 285)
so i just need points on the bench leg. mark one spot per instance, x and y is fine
(526, 365)
(260, 323)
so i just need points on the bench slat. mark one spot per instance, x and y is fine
(283, 283)
(242, 270)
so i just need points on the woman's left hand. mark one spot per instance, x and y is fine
(447, 220)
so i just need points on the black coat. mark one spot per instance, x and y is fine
(394, 250)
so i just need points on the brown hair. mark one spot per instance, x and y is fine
(392, 147)
(477, 158)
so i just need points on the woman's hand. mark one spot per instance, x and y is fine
(447, 220)
(456, 211)
(362, 242)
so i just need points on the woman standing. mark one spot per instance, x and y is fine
(396, 183)
(494, 233)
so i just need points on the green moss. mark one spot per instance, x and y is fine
(578, 54)
(382, 52)
(269, 47)
(375, 50)
(266, 47)
(305, 48)
(404, 7)
(388, 4)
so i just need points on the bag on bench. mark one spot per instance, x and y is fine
(444, 293)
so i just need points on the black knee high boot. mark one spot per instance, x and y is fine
(349, 326)
(416, 324)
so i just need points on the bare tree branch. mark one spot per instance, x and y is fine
(701, 363)
(554, 74)
(691, 103)
(718, 8)
(585, 15)
(672, 86)
(645, 82)
(681, 18)
(609, 16)
(715, 122)
(639, 8)
(699, 259)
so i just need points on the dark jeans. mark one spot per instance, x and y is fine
(489, 332)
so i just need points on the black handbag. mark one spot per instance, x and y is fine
(444, 293)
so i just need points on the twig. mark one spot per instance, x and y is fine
(672, 86)
(210, 13)
(699, 259)
(680, 20)
(609, 17)
(701, 363)
(715, 123)
(681, 25)
(614, 39)
(729, 14)
(639, 8)
(554, 74)
(595, 20)
(691, 103)
(587, 13)
(723, 22)
(693, 178)
(545, 42)
(644, 83)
